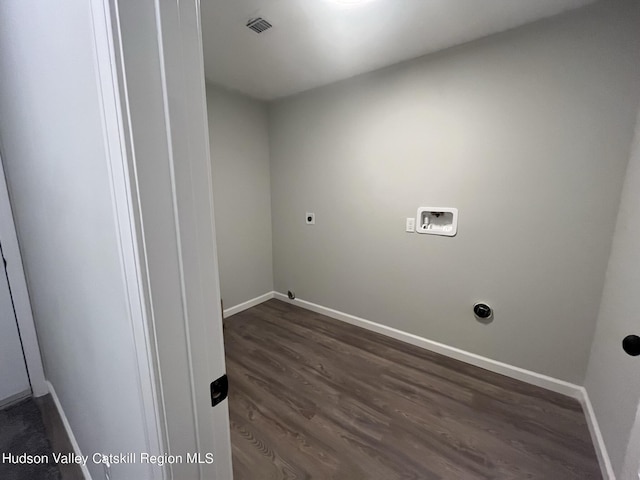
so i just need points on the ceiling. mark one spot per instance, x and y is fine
(317, 42)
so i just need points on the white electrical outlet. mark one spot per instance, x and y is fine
(411, 225)
(310, 218)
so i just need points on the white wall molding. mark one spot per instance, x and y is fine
(533, 378)
(163, 93)
(556, 385)
(17, 398)
(248, 304)
(67, 428)
(596, 436)
(115, 134)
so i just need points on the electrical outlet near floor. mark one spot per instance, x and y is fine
(310, 218)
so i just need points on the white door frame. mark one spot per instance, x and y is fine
(151, 80)
(125, 209)
(20, 293)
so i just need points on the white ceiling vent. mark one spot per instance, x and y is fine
(259, 25)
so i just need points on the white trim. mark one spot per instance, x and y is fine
(221, 420)
(67, 428)
(174, 106)
(20, 293)
(241, 307)
(596, 436)
(533, 378)
(145, 286)
(181, 72)
(178, 238)
(124, 206)
(15, 398)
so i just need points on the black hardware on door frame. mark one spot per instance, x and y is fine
(219, 390)
(631, 345)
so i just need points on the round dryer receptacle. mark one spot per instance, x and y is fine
(482, 311)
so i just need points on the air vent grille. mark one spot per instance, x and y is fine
(259, 25)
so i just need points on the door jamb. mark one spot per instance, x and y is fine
(20, 293)
(113, 82)
(128, 226)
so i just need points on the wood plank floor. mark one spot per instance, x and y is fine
(311, 397)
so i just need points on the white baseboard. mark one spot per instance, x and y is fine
(596, 437)
(556, 385)
(67, 427)
(248, 304)
(518, 373)
(13, 399)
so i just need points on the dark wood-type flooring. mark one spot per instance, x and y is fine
(312, 397)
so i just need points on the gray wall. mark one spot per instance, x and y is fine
(612, 376)
(238, 133)
(55, 160)
(526, 132)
